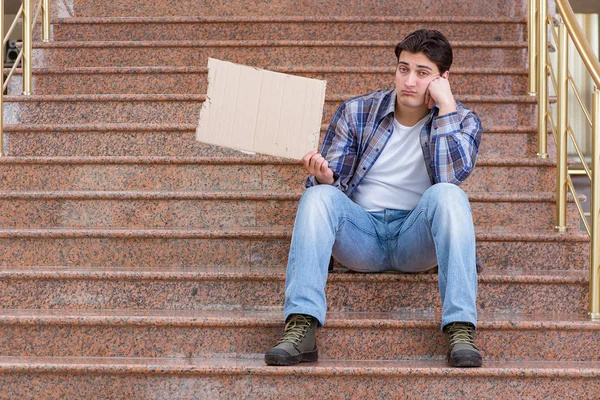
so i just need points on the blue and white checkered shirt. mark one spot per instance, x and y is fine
(362, 126)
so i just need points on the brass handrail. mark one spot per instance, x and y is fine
(568, 31)
(25, 53)
(579, 40)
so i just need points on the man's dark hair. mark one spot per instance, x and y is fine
(431, 43)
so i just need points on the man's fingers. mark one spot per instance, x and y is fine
(431, 102)
(308, 159)
(319, 162)
(308, 156)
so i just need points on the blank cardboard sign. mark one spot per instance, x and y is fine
(259, 111)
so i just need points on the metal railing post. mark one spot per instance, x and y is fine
(561, 140)
(531, 35)
(45, 20)
(542, 79)
(27, 43)
(594, 306)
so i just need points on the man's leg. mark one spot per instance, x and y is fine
(442, 225)
(325, 216)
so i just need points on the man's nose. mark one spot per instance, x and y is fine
(411, 80)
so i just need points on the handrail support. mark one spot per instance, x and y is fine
(594, 297)
(542, 78)
(27, 47)
(562, 130)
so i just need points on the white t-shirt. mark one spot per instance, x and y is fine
(399, 177)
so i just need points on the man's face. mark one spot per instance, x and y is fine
(413, 74)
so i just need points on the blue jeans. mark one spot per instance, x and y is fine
(438, 231)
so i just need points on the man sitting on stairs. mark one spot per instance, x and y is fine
(383, 195)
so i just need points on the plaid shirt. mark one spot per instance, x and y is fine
(362, 126)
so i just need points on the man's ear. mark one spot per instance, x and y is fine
(446, 74)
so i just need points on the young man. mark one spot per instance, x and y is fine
(382, 195)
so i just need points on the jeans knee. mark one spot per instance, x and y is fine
(446, 194)
(318, 198)
(320, 194)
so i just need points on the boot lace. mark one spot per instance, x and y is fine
(295, 329)
(460, 333)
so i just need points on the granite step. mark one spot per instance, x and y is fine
(375, 336)
(228, 377)
(226, 209)
(284, 27)
(185, 108)
(148, 8)
(261, 53)
(229, 173)
(254, 247)
(171, 140)
(243, 288)
(175, 80)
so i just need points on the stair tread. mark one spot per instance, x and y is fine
(482, 234)
(260, 43)
(254, 365)
(186, 127)
(286, 69)
(477, 196)
(415, 319)
(247, 159)
(280, 18)
(140, 97)
(254, 273)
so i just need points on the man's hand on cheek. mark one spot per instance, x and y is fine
(440, 93)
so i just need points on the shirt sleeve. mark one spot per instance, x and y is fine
(454, 145)
(339, 149)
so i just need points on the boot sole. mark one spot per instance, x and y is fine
(282, 358)
(465, 360)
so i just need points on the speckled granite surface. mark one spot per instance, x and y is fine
(261, 288)
(160, 80)
(179, 140)
(230, 377)
(196, 334)
(240, 27)
(160, 109)
(227, 209)
(215, 173)
(254, 247)
(120, 8)
(261, 53)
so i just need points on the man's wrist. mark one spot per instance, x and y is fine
(447, 108)
(325, 181)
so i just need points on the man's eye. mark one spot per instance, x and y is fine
(423, 73)
(402, 70)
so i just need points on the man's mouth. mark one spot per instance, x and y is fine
(408, 92)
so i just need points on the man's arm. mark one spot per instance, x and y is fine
(455, 135)
(338, 151)
(454, 145)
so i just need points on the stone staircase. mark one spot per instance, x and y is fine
(136, 262)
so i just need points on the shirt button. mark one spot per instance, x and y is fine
(364, 167)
